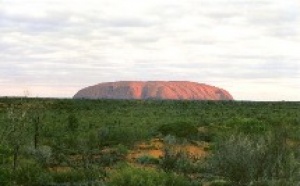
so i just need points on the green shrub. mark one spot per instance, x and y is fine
(109, 159)
(244, 159)
(31, 174)
(122, 150)
(179, 129)
(178, 161)
(247, 125)
(147, 159)
(219, 183)
(68, 176)
(170, 159)
(73, 122)
(112, 156)
(42, 154)
(206, 136)
(5, 176)
(170, 140)
(78, 175)
(108, 136)
(131, 176)
(5, 153)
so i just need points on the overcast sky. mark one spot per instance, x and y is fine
(52, 48)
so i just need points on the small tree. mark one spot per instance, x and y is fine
(17, 133)
(73, 122)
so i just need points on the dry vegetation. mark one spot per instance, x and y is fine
(110, 142)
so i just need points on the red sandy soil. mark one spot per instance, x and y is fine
(155, 148)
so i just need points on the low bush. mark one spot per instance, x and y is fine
(131, 176)
(247, 125)
(42, 154)
(5, 176)
(178, 161)
(147, 159)
(31, 174)
(109, 157)
(179, 129)
(68, 176)
(73, 122)
(243, 160)
(78, 175)
(114, 135)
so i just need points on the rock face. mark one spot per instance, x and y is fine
(170, 90)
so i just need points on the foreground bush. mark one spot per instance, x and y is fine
(79, 175)
(5, 176)
(31, 174)
(131, 176)
(245, 160)
(178, 161)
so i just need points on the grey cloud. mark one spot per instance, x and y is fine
(267, 70)
(273, 14)
(197, 41)
(281, 68)
(284, 32)
(6, 47)
(169, 11)
(229, 9)
(128, 22)
(254, 57)
(50, 22)
(143, 37)
(236, 2)
(240, 69)
(221, 15)
(273, 18)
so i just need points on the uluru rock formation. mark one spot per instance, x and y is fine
(171, 90)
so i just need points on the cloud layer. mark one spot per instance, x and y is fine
(53, 48)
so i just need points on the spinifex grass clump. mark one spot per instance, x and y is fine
(251, 160)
